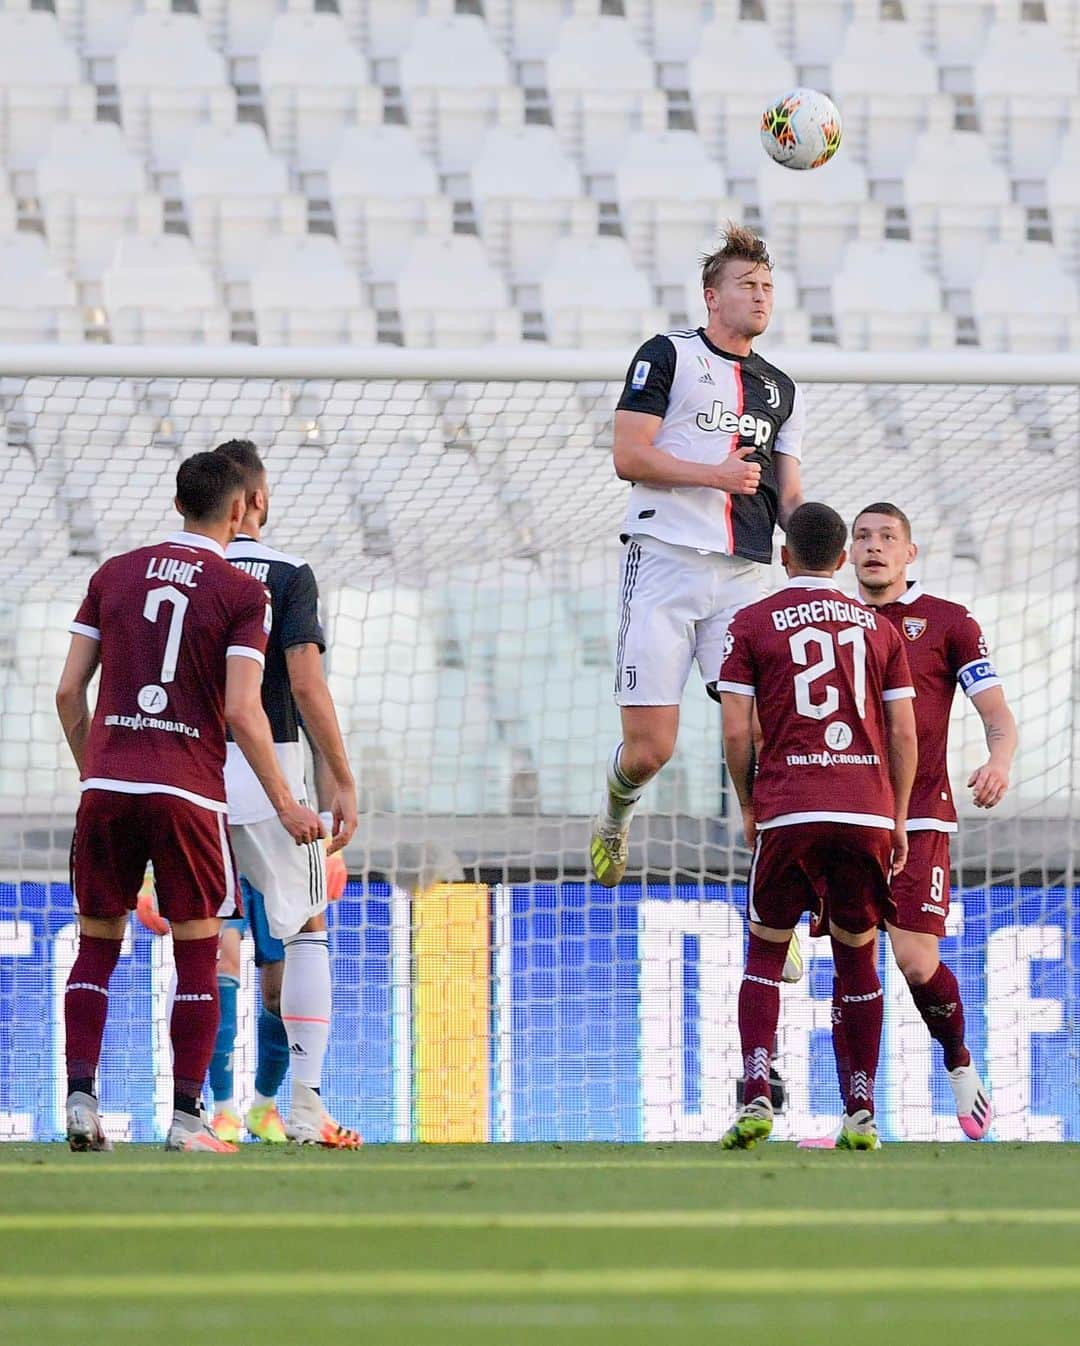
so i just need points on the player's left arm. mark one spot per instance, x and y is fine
(71, 701)
(787, 461)
(989, 783)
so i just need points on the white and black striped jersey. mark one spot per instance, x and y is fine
(295, 599)
(711, 402)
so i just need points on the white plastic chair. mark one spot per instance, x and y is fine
(304, 294)
(1024, 301)
(1026, 87)
(93, 189)
(955, 31)
(528, 194)
(384, 193)
(170, 81)
(593, 295)
(811, 217)
(883, 299)
(528, 29)
(457, 83)
(315, 83)
(237, 196)
(671, 195)
(810, 31)
(670, 31)
(602, 87)
(382, 28)
(450, 295)
(40, 85)
(958, 202)
(157, 291)
(37, 300)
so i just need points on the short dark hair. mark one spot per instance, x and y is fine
(245, 455)
(884, 507)
(205, 483)
(738, 245)
(816, 535)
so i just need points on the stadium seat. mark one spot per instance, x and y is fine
(958, 201)
(954, 31)
(593, 295)
(237, 195)
(602, 87)
(1063, 199)
(303, 294)
(157, 292)
(1064, 19)
(315, 83)
(37, 300)
(384, 193)
(811, 217)
(1026, 87)
(456, 83)
(883, 299)
(382, 28)
(40, 86)
(449, 295)
(1024, 301)
(888, 89)
(528, 194)
(527, 30)
(736, 70)
(671, 195)
(92, 190)
(96, 28)
(810, 32)
(671, 31)
(170, 81)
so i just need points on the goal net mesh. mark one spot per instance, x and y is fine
(466, 540)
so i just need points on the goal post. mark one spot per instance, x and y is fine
(460, 511)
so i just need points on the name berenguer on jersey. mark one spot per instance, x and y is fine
(823, 610)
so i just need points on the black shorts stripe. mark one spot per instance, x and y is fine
(633, 562)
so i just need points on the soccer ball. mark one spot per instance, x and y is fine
(801, 130)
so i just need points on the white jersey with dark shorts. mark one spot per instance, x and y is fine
(291, 878)
(695, 555)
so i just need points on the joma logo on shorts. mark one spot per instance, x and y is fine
(754, 428)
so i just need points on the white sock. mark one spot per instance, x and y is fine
(622, 794)
(305, 1004)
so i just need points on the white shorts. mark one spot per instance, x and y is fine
(291, 878)
(676, 606)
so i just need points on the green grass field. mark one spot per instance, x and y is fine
(541, 1243)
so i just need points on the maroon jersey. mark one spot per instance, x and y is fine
(821, 666)
(167, 616)
(944, 646)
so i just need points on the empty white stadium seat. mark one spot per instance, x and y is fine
(528, 29)
(384, 192)
(304, 294)
(170, 81)
(315, 83)
(40, 85)
(457, 83)
(97, 28)
(602, 87)
(671, 195)
(670, 30)
(810, 31)
(811, 217)
(883, 299)
(593, 295)
(157, 291)
(449, 295)
(958, 201)
(735, 72)
(1026, 87)
(92, 190)
(37, 300)
(887, 90)
(237, 196)
(527, 193)
(1063, 199)
(1024, 301)
(954, 31)
(1064, 19)
(382, 28)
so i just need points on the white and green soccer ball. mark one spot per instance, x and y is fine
(801, 130)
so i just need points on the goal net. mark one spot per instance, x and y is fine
(462, 517)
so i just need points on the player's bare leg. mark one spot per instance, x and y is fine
(305, 1012)
(86, 1003)
(759, 1013)
(649, 734)
(855, 957)
(936, 994)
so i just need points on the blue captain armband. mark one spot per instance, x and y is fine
(977, 677)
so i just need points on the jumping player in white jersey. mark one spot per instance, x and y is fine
(710, 436)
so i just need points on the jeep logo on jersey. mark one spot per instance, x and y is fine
(773, 390)
(755, 428)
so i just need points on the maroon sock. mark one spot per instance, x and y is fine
(839, 1041)
(196, 1012)
(86, 1003)
(863, 1008)
(939, 1003)
(759, 1010)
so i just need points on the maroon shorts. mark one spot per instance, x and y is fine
(116, 834)
(837, 870)
(921, 889)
